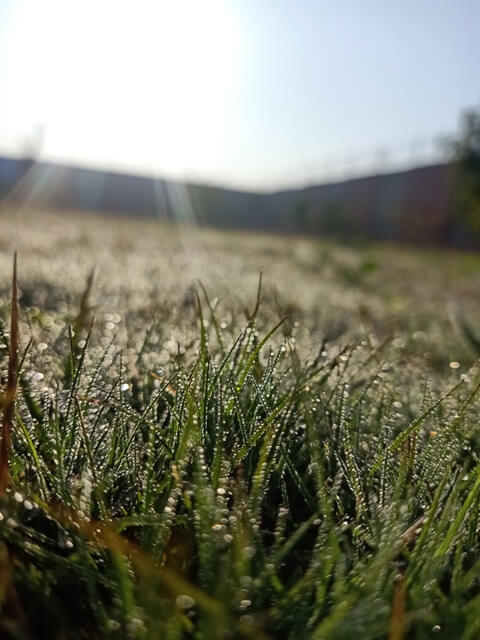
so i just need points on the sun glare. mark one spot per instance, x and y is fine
(147, 80)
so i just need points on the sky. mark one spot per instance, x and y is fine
(248, 93)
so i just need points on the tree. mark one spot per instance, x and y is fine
(466, 171)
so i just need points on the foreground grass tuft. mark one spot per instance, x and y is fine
(246, 488)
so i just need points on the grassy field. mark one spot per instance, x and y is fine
(198, 456)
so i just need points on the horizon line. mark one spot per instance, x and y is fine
(224, 185)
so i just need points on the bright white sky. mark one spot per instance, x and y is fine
(253, 93)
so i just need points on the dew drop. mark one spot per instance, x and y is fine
(185, 602)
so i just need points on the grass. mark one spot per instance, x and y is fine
(292, 460)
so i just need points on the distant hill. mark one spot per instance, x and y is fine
(407, 206)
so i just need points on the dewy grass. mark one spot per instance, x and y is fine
(245, 489)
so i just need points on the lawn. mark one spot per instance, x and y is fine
(232, 435)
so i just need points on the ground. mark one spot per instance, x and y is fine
(195, 455)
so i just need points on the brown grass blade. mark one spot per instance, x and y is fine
(11, 390)
(399, 608)
(413, 532)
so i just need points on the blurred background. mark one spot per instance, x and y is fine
(345, 119)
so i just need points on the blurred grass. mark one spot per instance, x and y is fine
(217, 459)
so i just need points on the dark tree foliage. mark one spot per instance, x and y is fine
(467, 171)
